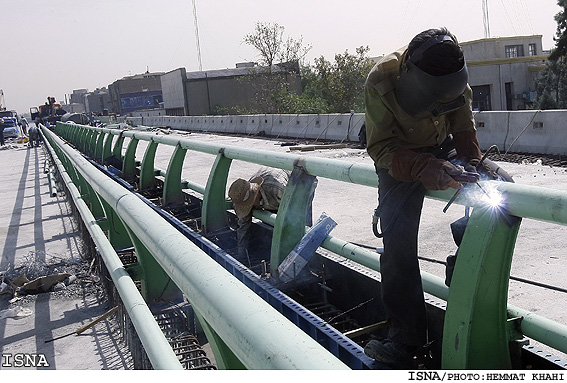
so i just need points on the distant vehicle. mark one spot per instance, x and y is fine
(9, 120)
(50, 112)
(77, 118)
(8, 113)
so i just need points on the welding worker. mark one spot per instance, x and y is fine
(418, 112)
(264, 190)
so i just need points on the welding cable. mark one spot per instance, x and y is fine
(493, 147)
(378, 210)
(517, 279)
(522, 132)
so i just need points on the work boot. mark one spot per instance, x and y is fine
(449, 269)
(392, 353)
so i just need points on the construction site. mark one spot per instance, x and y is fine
(120, 253)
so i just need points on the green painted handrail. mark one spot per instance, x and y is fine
(155, 344)
(520, 201)
(227, 306)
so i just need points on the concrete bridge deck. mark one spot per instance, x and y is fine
(37, 229)
(31, 221)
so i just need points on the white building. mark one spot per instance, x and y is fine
(503, 70)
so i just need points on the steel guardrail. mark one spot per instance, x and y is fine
(493, 231)
(235, 313)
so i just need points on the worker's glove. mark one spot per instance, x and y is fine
(467, 177)
(471, 165)
(485, 172)
(467, 146)
(434, 173)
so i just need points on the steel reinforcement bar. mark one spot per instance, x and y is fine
(156, 345)
(231, 309)
(478, 322)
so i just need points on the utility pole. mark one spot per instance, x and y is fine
(197, 36)
(2, 100)
(485, 19)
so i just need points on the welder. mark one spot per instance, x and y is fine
(264, 190)
(418, 113)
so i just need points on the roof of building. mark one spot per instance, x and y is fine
(231, 72)
(487, 39)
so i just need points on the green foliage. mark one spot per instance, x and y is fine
(341, 84)
(551, 86)
(291, 103)
(546, 102)
(327, 87)
(560, 50)
(269, 42)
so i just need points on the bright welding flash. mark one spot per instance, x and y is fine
(492, 197)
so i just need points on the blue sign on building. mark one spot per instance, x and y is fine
(141, 100)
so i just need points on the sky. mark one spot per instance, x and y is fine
(50, 48)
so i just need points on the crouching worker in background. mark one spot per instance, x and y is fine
(264, 190)
(34, 136)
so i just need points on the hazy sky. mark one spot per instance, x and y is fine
(51, 47)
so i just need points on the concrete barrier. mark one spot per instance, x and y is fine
(281, 124)
(530, 131)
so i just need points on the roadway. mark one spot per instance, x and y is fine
(37, 229)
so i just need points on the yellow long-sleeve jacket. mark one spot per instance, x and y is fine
(389, 128)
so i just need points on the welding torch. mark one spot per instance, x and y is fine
(464, 178)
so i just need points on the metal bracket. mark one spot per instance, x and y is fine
(514, 328)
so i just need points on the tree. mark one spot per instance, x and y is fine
(341, 84)
(268, 40)
(279, 60)
(552, 92)
(560, 50)
(328, 87)
(551, 87)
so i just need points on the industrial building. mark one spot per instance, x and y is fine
(227, 90)
(137, 92)
(502, 74)
(503, 70)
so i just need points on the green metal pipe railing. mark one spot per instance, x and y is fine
(483, 266)
(258, 335)
(155, 344)
(533, 325)
(525, 201)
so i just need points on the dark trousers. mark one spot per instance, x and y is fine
(400, 206)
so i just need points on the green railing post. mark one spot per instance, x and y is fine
(117, 150)
(117, 233)
(107, 149)
(129, 164)
(172, 192)
(475, 332)
(156, 284)
(224, 357)
(94, 203)
(147, 170)
(290, 222)
(76, 137)
(84, 134)
(91, 143)
(99, 149)
(214, 206)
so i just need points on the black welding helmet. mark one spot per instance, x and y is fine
(423, 95)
